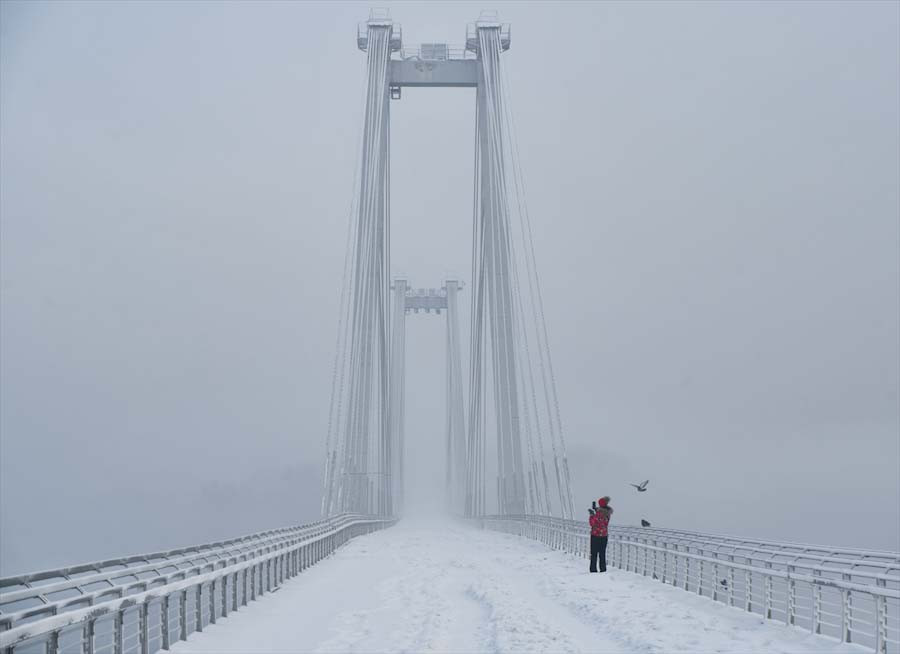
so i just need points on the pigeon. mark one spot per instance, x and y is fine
(642, 486)
(644, 523)
(724, 583)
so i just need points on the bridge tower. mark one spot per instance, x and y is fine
(408, 301)
(364, 461)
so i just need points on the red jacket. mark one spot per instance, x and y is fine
(600, 522)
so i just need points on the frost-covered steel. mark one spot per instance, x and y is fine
(849, 594)
(429, 299)
(48, 582)
(132, 611)
(510, 446)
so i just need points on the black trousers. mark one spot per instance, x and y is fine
(598, 550)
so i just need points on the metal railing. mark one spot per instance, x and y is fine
(144, 603)
(849, 594)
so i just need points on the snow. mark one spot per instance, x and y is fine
(445, 586)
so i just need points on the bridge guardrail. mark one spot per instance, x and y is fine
(849, 594)
(156, 598)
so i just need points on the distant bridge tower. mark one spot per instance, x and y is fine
(409, 301)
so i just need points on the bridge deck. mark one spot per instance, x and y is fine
(446, 587)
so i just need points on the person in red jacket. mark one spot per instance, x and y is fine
(599, 521)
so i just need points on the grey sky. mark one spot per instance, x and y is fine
(714, 189)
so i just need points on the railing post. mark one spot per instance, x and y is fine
(52, 643)
(198, 608)
(212, 602)
(768, 597)
(731, 582)
(118, 636)
(224, 596)
(715, 582)
(144, 627)
(655, 575)
(748, 590)
(844, 628)
(182, 616)
(88, 640)
(881, 619)
(164, 622)
(849, 618)
(700, 577)
(816, 621)
(881, 624)
(847, 613)
(791, 597)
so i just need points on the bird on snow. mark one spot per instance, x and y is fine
(642, 486)
(644, 523)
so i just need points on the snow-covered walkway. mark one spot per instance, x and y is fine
(447, 587)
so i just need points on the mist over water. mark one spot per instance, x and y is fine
(714, 192)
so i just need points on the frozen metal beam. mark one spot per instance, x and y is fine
(452, 73)
(426, 300)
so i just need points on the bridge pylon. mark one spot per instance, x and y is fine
(509, 404)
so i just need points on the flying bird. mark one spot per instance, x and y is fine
(644, 523)
(642, 486)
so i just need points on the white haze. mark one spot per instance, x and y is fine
(714, 188)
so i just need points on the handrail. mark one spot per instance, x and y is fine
(98, 565)
(741, 539)
(121, 589)
(108, 576)
(787, 548)
(729, 540)
(802, 592)
(244, 574)
(799, 559)
(741, 547)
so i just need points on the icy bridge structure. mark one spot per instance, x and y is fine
(507, 572)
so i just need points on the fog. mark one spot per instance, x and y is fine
(715, 192)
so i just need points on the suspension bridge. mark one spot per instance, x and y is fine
(505, 570)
